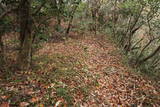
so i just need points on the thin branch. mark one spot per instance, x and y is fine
(39, 8)
(150, 56)
(134, 46)
(7, 12)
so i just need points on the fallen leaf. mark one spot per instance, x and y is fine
(4, 97)
(23, 104)
(58, 103)
(4, 104)
(35, 99)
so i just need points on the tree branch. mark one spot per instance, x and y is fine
(150, 56)
(39, 8)
(7, 12)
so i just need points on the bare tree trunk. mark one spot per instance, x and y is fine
(59, 17)
(1, 44)
(71, 19)
(2, 59)
(58, 6)
(69, 26)
(58, 10)
(132, 29)
(114, 18)
(24, 58)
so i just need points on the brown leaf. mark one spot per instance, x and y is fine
(34, 99)
(4, 97)
(23, 104)
(4, 104)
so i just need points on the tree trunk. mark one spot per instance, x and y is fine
(69, 26)
(2, 59)
(1, 44)
(71, 19)
(60, 12)
(24, 58)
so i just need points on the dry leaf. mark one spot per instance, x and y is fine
(58, 103)
(4, 97)
(4, 104)
(23, 104)
(35, 99)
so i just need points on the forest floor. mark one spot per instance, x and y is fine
(86, 71)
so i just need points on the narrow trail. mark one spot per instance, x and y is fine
(75, 65)
(117, 84)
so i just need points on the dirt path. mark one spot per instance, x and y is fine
(117, 85)
(93, 58)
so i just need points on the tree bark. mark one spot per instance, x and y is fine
(24, 58)
(2, 59)
(71, 19)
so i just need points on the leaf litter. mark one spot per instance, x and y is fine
(86, 72)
